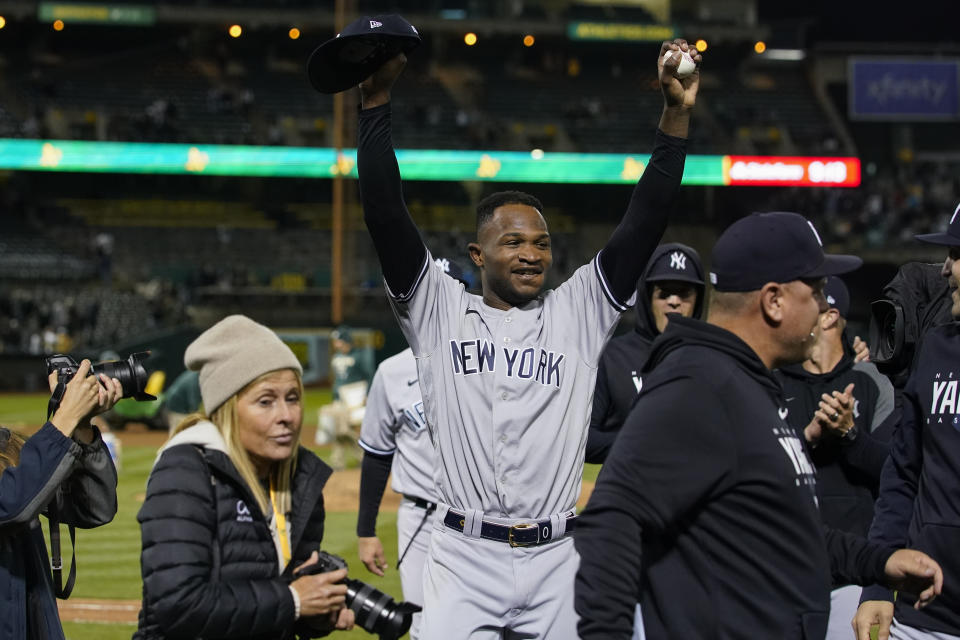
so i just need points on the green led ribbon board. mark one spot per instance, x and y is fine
(416, 164)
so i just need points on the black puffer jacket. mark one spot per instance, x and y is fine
(208, 562)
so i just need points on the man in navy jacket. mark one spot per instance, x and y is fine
(919, 502)
(672, 283)
(706, 508)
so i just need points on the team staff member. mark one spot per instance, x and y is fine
(394, 437)
(841, 408)
(919, 501)
(671, 283)
(706, 507)
(507, 377)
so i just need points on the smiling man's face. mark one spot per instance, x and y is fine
(513, 253)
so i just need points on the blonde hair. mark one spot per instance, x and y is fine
(10, 452)
(281, 473)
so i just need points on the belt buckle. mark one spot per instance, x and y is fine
(521, 525)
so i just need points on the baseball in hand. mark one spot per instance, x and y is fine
(686, 66)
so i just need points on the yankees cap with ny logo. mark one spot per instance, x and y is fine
(677, 262)
(772, 247)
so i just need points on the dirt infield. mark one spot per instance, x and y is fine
(99, 611)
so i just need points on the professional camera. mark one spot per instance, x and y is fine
(131, 373)
(375, 611)
(887, 334)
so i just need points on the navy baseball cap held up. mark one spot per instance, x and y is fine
(950, 237)
(772, 247)
(361, 48)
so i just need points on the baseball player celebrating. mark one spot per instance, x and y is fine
(507, 377)
(394, 436)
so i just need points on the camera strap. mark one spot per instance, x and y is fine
(56, 562)
(54, 403)
(426, 515)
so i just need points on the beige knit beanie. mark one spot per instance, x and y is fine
(233, 353)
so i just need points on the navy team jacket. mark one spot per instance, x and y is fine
(919, 503)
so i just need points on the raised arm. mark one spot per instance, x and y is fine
(628, 249)
(395, 236)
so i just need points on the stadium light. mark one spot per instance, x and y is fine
(790, 55)
(470, 39)
(701, 45)
(760, 46)
(294, 33)
(3, 22)
(528, 40)
(58, 25)
(235, 31)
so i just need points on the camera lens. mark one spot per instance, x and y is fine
(377, 612)
(131, 374)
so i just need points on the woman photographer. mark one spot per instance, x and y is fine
(234, 505)
(63, 470)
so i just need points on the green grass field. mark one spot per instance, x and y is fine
(108, 558)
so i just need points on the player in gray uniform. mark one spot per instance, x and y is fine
(394, 435)
(394, 439)
(508, 377)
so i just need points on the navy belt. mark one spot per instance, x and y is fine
(420, 502)
(523, 534)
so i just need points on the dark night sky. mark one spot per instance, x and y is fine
(846, 20)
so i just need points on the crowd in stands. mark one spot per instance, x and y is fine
(893, 203)
(202, 86)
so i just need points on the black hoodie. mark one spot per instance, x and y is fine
(706, 511)
(848, 472)
(919, 503)
(618, 375)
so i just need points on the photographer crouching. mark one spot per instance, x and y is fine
(233, 515)
(64, 471)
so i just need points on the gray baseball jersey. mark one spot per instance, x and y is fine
(394, 422)
(507, 394)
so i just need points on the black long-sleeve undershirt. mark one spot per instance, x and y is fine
(401, 249)
(632, 243)
(374, 472)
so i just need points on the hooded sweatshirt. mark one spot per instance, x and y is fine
(919, 503)
(706, 509)
(618, 376)
(848, 472)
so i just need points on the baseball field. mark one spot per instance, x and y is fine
(106, 598)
